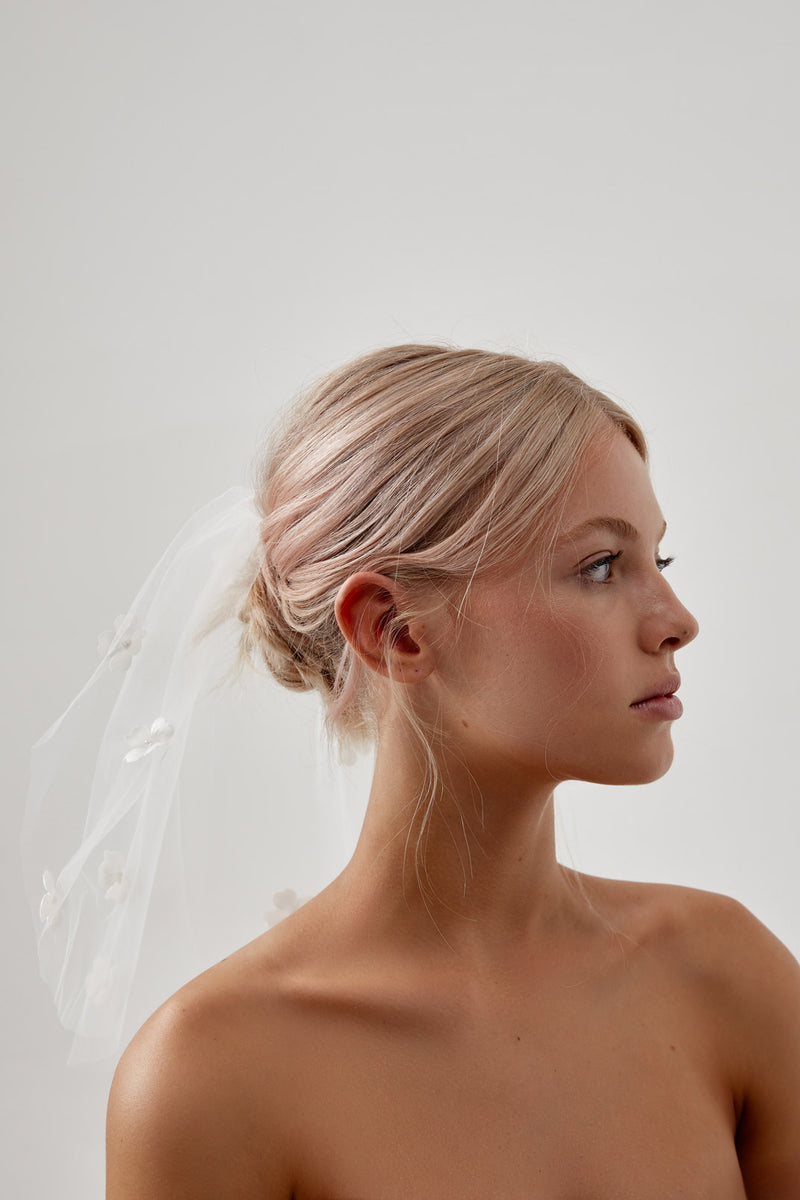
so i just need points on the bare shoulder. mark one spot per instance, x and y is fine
(709, 932)
(196, 1103)
(711, 939)
(755, 982)
(747, 984)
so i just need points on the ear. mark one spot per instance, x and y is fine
(367, 608)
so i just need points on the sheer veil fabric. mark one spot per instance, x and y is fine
(126, 877)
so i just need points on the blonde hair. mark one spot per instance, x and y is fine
(421, 462)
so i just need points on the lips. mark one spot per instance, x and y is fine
(665, 687)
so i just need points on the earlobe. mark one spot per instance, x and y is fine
(367, 612)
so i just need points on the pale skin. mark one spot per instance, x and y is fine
(509, 1029)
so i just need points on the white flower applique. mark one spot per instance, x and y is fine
(104, 982)
(285, 903)
(143, 740)
(112, 878)
(51, 902)
(120, 644)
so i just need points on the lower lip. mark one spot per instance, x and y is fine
(663, 708)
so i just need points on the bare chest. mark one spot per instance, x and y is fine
(560, 1101)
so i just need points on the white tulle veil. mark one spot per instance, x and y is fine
(137, 883)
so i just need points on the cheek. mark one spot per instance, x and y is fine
(524, 661)
(568, 659)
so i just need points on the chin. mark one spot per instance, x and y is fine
(644, 771)
(630, 770)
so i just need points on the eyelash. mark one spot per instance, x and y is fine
(608, 559)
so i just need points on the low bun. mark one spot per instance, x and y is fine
(298, 660)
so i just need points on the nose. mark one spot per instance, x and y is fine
(668, 624)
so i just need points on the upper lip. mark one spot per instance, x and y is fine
(668, 685)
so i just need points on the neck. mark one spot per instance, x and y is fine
(473, 866)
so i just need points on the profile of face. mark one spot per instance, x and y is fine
(563, 673)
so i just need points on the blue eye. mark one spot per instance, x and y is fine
(600, 570)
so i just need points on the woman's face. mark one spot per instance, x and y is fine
(547, 675)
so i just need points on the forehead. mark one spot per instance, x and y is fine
(613, 481)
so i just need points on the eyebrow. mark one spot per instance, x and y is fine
(616, 525)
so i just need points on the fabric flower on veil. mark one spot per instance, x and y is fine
(112, 875)
(50, 905)
(120, 644)
(285, 902)
(143, 740)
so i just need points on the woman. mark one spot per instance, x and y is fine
(461, 553)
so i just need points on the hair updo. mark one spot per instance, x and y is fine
(419, 462)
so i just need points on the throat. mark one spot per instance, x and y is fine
(460, 870)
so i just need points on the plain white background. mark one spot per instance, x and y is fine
(209, 204)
